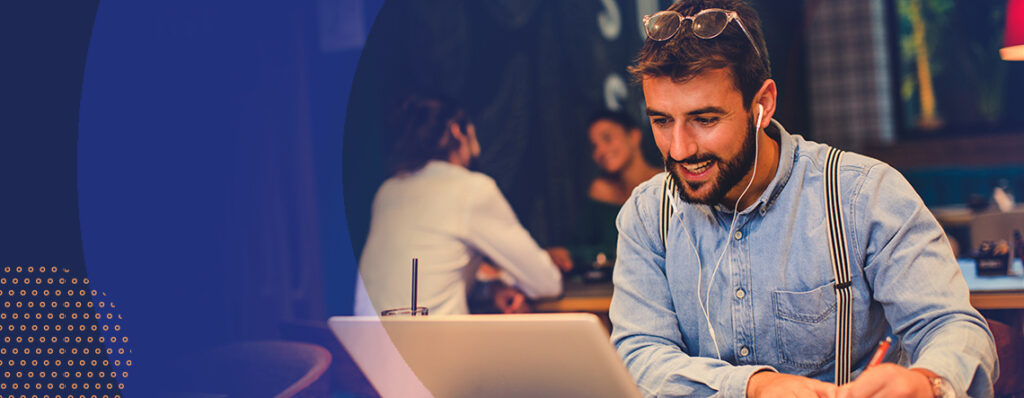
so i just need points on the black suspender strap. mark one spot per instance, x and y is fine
(837, 249)
(840, 266)
(668, 192)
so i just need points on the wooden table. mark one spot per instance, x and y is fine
(580, 296)
(987, 292)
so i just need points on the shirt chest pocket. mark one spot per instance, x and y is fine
(805, 324)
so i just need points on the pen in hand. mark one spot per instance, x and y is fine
(883, 347)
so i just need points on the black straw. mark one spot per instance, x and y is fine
(415, 266)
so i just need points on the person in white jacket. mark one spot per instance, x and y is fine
(451, 218)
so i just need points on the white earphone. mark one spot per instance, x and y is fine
(704, 306)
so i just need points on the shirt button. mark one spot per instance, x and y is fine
(740, 293)
(738, 235)
(744, 351)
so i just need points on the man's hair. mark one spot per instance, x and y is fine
(620, 118)
(686, 56)
(422, 127)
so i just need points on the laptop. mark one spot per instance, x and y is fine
(534, 355)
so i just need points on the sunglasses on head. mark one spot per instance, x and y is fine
(706, 24)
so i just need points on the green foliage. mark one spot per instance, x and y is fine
(955, 51)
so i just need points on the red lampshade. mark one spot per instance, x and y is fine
(1013, 41)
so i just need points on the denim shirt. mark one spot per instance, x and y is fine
(772, 303)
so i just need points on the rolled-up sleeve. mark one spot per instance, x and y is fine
(915, 277)
(645, 328)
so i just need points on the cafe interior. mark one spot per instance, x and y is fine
(934, 88)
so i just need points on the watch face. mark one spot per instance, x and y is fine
(941, 388)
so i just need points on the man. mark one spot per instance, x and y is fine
(435, 209)
(740, 298)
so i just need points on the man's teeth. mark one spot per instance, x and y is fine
(698, 167)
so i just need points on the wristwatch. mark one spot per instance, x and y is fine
(940, 387)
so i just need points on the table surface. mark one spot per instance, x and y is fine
(995, 292)
(1013, 282)
(987, 292)
(579, 296)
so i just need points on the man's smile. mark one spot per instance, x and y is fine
(699, 168)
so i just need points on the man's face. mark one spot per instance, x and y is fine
(704, 133)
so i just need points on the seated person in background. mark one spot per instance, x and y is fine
(766, 265)
(435, 209)
(615, 141)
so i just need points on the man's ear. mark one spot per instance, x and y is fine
(766, 96)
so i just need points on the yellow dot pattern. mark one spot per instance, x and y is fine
(61, 339)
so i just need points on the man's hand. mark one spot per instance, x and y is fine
(888, 380)
(511, 301)
(770, 384)
(561, 257)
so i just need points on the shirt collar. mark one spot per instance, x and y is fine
(787, 156)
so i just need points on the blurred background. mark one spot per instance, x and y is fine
(210, 165)
(916, 83)
(531, 74)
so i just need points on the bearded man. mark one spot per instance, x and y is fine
(763, 264)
